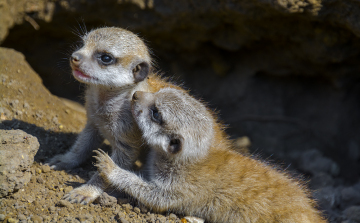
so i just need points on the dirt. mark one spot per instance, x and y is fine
(40, 201)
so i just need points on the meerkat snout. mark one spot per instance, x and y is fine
(136, 95)
(75, 58)
(142, 97)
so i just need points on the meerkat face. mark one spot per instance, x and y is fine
(111, 57)
(173, 122)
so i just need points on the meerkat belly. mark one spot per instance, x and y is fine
(115, 122)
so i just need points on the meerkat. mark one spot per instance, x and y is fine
(113, 63)
(192, 171)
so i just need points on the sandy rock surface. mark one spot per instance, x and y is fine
(17, 151)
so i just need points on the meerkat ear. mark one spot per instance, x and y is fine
(141, 71)
(175, 145)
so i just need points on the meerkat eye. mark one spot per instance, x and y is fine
(155, 115)
(106, 59)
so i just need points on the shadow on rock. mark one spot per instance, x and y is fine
(51, 142)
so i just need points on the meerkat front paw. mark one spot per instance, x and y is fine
(62, 162)
(83, 195)
(104, 164)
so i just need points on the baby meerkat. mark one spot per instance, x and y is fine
(113, 63)
(192, 170)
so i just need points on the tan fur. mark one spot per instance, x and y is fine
(156, 83)
(126, 60)
(218, 185)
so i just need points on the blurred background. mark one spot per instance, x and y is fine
(284, 74)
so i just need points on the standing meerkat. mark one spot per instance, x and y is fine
(191, 169)
(113, 63)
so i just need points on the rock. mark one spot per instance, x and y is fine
(52, 208)
(45, 168)
(68, 189)
(38, 170)
(106, 200)
(350, 196)
(172, 217)
(64, 203)
(320, 180)
(192, 219)
(327, 197)
(353, 151)
(314, 162)
(353, 213)
(12, 220)
(144, 209)
(17, 151)
(150, 218)
(37, 218)
(161, 219)
(85, 217)
(137, 210)
(40, 180)
(21, 217)
(2, 217)
(128, 208)
(121, 200)
(123, 220)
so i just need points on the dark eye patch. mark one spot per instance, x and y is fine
(155, 115)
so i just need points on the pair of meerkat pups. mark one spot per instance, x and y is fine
(113, 63)
(189, 165)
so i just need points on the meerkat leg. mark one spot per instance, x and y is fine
(146, 193)
(88, 192)
(88, 140)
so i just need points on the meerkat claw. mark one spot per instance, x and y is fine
(77, 198)
(103, 163)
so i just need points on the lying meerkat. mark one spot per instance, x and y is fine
(191, 169)
(113, 63)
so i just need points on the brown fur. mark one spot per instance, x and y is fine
(156, 82)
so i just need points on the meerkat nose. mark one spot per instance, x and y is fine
(135, 96)
(75, 58)
(138, 95)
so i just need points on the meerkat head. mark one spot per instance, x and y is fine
(111, 57)
(173, 122)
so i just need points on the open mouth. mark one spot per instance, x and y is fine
(81, 75)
